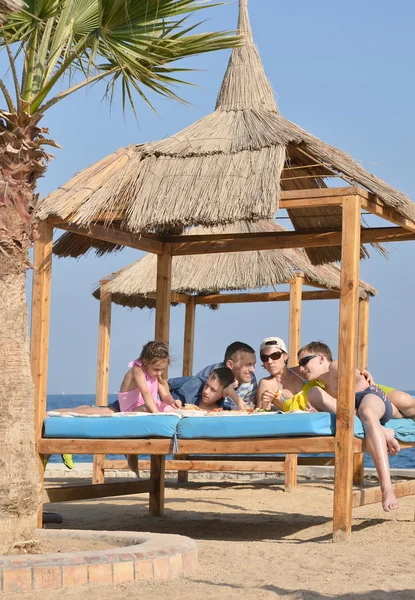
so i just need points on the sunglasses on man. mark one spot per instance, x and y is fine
(274, 356)
(306, 359)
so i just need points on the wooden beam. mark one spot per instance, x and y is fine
(363, 338)
(376, 207)
(102, 446)
(371, 495)
(189, 337)
(163, 296)
(144, 241)
(98, 473)
(39, 332)
(243, 242)
(264, 297)
(349, 298)
(290, 469)
(103, 490)
(296, 287)
(292, 203)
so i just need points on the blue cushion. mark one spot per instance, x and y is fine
(149, 426)
(404, 429)
(252, 426)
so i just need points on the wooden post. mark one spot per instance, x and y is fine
(157, 476)
(39, 338)
(349, 299)
(189, 336)
(363, 344)
(98, 472)
(163, 297)
(362, 352)
(296, 287)
(290, 469)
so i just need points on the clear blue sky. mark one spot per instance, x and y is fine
(342, 70)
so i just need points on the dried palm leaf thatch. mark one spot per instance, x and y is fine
(228, 166)
(135, 285)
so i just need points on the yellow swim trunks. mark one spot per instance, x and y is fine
(299, 401)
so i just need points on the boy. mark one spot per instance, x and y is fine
(372, 407)
(217, 387)
(240, 359)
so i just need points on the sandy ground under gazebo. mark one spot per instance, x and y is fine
(255, 541)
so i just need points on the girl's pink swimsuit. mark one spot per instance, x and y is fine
(133, 398)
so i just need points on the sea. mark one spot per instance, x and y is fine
(404, 460)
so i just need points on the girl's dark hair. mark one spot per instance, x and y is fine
(224, 375)
(155, 351)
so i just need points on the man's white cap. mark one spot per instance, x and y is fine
(273, 341)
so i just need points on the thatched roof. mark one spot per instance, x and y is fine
(202, 275)
(228, 166)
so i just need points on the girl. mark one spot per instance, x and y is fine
(142, 389)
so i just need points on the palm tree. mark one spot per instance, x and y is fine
(128, 43)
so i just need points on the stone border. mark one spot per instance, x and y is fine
(144, 556)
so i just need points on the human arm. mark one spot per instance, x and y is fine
(267, 396)
(231, 393)
(368, 376)
(164, 393)
(140, 381)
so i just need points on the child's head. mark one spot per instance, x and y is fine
(217, 381)
(155, 356)
(314, 360)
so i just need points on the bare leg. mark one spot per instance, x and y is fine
(370, 412)
(405, 403)
(87, 410)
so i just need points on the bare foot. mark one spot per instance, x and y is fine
(132, 460)
(391, 442)
(389, 501)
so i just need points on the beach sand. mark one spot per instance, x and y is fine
(256, 541)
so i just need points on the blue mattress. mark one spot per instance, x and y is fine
(148, 426)
(253, 426)
(404, 429)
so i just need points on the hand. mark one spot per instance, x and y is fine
(367, 376)
(176, 404)
(268, 397)
(310, 408)
(229, 390)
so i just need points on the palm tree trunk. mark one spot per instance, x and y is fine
(19, 482)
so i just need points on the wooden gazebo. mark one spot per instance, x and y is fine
(243, 162)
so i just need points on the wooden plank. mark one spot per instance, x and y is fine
(293, 203)
(182, 475)
(290, 468)
(296, 287)
(140, 241)
(358, 468)
(265, 297)
(363, 336)
(244, 242)
(264, 462)
(370, 495)
(375, 206)
(296, 445)
(104, 329)
(157, 476)
(101, 446)
(349, 299)
(39, 341)
(189, 336)
(103, 490)
(339, 192)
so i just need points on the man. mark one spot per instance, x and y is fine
(240, 358)
(372, 407)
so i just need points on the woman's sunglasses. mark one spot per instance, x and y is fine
(306, 359)
(274, 356)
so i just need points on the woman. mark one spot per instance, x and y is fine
(283, 382)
